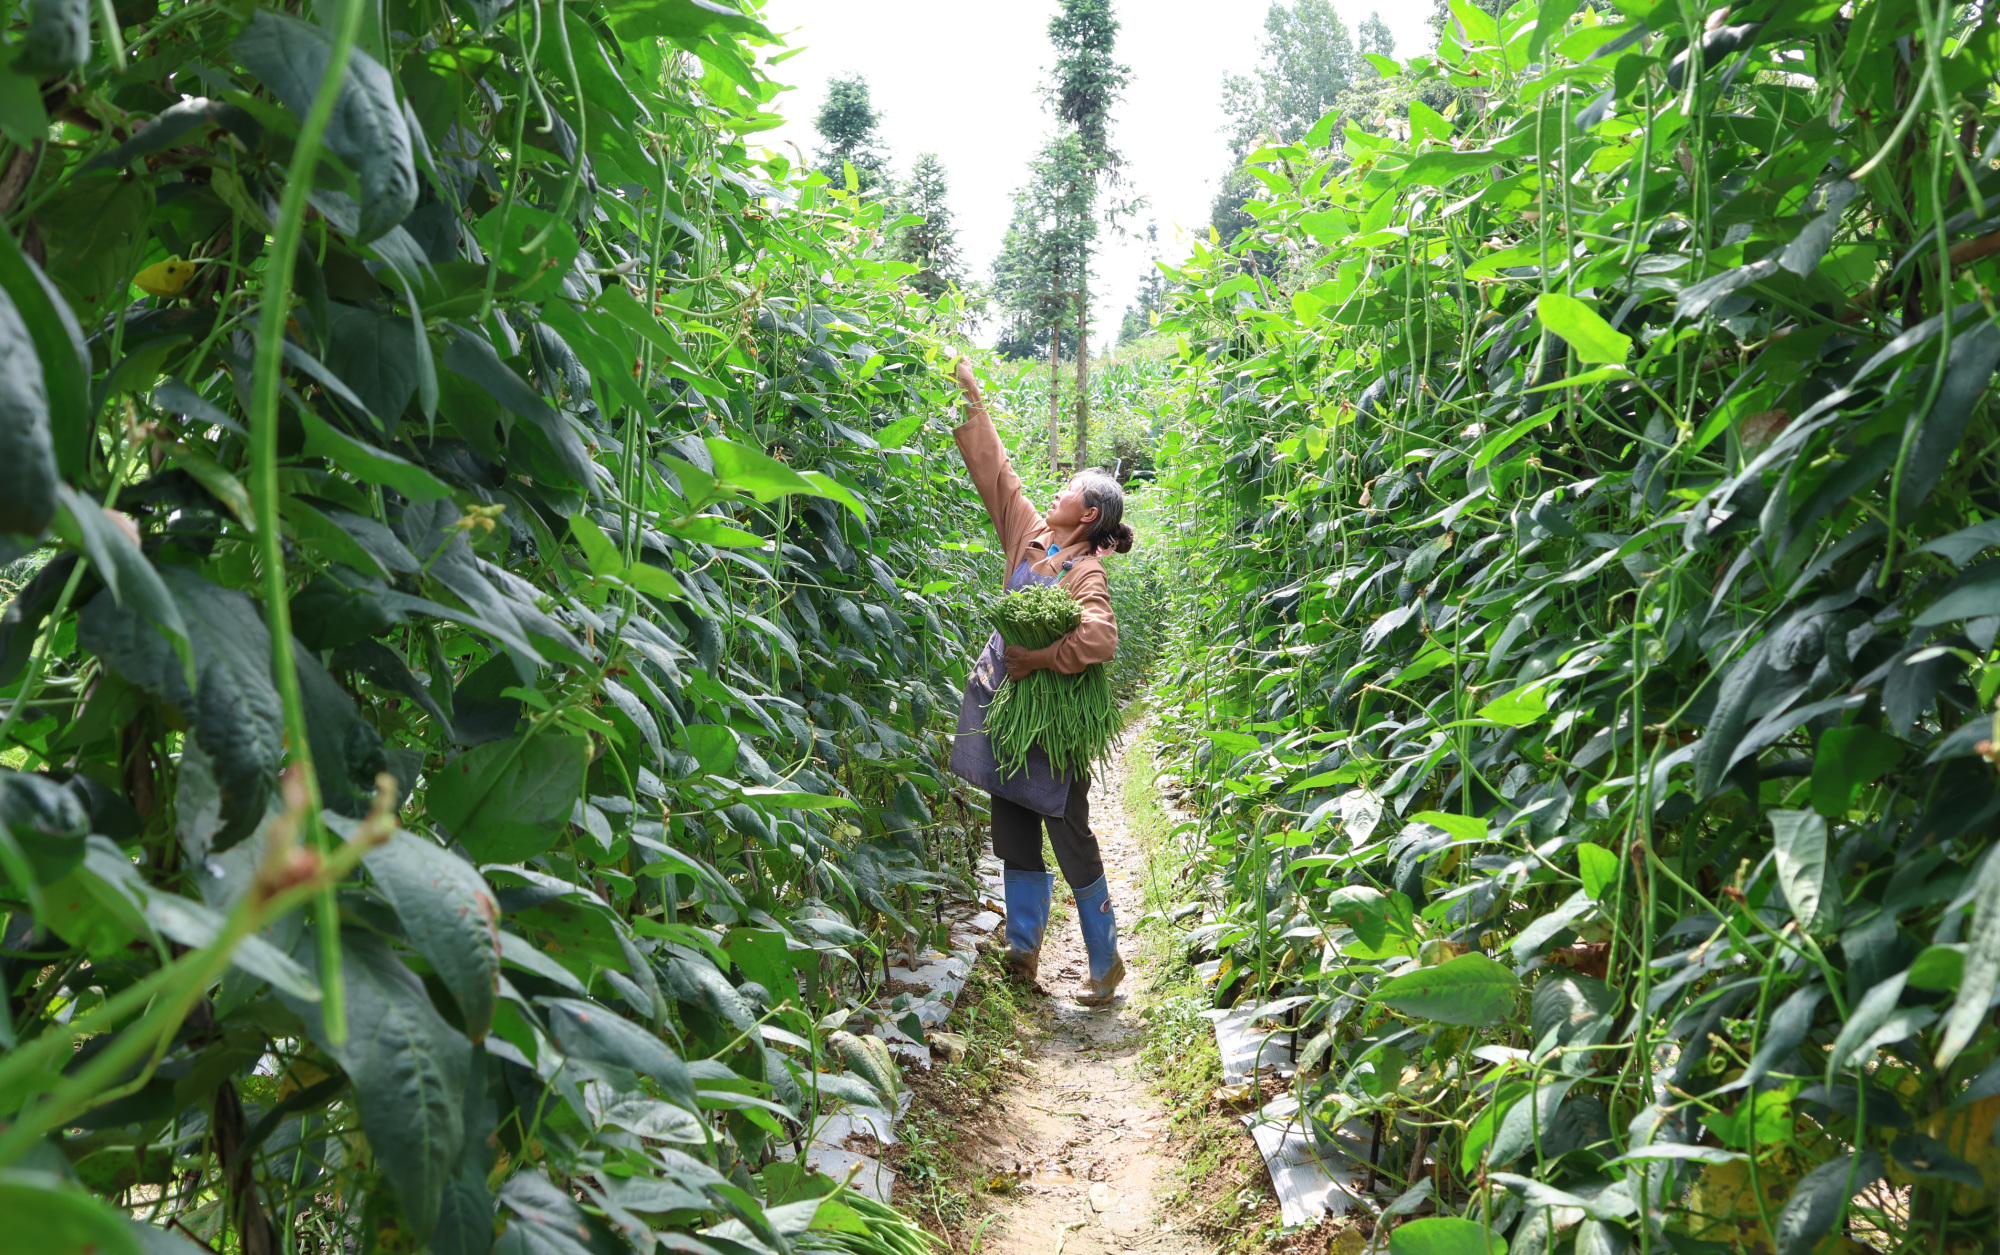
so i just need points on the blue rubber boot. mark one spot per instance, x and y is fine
(1100, 938)
(1028, 896)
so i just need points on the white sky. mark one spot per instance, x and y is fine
(963, 80)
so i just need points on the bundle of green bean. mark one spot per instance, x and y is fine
(889, 1232)
(1072, 717)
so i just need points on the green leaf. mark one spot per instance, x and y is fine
(94, 913)
(538, 251)
(27, 455)
(367, 130)
(788, 799)
(369, 464)
(1461, 827)
(708, 530)
(1821, 1196)
(1962, 546)
(1588, 335)
(1479, 1134)
(680, 19)
(893, 436)
(1550, 19)
(1763, 1119)
(59, 344)
(408, 1068)
(1445, 1235)
(354, 539)
(119, 563)
(154, 1240)
(1525, 705)
(507, 801)
(1501, 441)
(94, 231)
(589, 1031)
(1846, 760)
(598, 551)
(1470, 989)
(544, 1220)
(1234, 744)
(1940, 968)
(1599, 868)
(1383, 924)
(625, 310)
(1980, 975)
(764, 957)
(517, 951)
(713, 746)
(1602, 374)
(1527, 1120)
(1875, 1009)
(653, 581)
(376, 357)
(471, 356)
(449, 915)
(1929, 1157)
(1568, 1007)
(221, 485)
(22, 117)
(1475, 21)
(47, 1215)
(194, 925)
(1810, 884)
(754, 472)
(601, 346)
(1967, 373)
(1437, 169)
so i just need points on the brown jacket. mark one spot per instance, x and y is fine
(1023, 535)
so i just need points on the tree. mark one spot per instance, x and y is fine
(1373, 36)
(1085, 83)
(849, 125)
(932, 244)
(1307, 61)
(1044, 258)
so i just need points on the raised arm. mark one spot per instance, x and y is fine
(1014, 516)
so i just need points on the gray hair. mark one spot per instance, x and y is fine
(1110, 531)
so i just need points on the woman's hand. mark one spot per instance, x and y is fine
(1023, 662)
(967, 384)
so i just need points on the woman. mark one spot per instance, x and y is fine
(1058, 547)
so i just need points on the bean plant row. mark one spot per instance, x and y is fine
(484, 579)
(1583, 485)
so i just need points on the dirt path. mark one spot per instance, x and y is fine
(1085, 1136)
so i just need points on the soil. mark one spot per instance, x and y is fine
(1075, 1155)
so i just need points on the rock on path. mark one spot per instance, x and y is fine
(1084, 1136)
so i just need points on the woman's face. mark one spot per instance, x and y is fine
(1068, 509)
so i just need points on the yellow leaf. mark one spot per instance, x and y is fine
(166, 278)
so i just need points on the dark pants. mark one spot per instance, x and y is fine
(1017, 838)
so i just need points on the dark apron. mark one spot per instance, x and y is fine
(1039, 788)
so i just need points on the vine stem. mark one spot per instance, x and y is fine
(272, 309)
